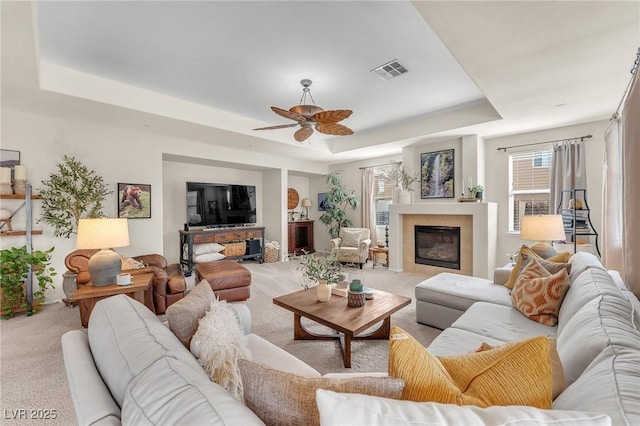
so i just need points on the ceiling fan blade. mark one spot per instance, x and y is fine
(288, 114)
(282, 126)
(302, 134)
(331, 116)
(334, 129)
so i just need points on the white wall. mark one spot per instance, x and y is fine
(497, 167)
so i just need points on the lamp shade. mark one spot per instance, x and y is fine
(104, 234)
(306, 202)
(542, 227)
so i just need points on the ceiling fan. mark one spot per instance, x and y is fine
(310, 116)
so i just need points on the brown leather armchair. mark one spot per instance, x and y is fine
(168, 284)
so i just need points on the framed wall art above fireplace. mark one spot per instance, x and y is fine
(437, 174)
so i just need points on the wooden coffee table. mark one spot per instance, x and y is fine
(87, 296)
(347, 322)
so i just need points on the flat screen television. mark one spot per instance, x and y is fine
(220, 204)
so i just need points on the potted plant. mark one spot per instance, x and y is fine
(338, 199)
(403, 180)
(14, 270)
(477, 191)
(74, 193)
(325, 270)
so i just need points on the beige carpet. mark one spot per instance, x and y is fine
(32, 368)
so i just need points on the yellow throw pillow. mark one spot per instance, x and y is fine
(540, 298)
(558, 383)
(281, 398)
(517, 373)
(525, 254)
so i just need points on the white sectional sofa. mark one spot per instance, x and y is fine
(597, 335)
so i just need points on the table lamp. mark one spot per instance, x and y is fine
(306, 202)
(103, 234)
(543, 228)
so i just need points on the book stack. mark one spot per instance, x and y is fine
(581, 220)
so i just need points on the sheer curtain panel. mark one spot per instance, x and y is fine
(368, 204)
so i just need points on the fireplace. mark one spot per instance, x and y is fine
(438, 246)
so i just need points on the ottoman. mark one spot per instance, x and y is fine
(228, 279)
(441, 299)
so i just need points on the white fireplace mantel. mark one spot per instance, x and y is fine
(484, 219)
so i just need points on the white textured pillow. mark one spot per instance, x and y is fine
(350, 238)
(348, 409)
(219, 344)
(207, 248)
(208, 257)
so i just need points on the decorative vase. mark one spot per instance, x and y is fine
(69, 284)
(405, 197)
(395, 195)
(479, 194)
(323, 291)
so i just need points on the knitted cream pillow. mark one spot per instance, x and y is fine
(516, 373)
(350, 238)
(281, 398)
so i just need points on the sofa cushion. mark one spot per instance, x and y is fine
(589, 285)
(183, 315)
(218, 343)
(606, 320)
(126, 338)
(609, 385)
(461, 291)
(341, 409)
(540, 298)
(169, 392)
(456, 341)
(517, 373)
(582, 261)
(270, 355)
(501, 323)
(281, 398)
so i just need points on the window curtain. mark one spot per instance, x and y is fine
(612, 216)
(631, 177)
(568, 171)
(368, 210)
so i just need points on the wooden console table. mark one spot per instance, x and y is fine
(87, 295)
(253, 236)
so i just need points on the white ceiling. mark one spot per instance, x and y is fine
(489, 68)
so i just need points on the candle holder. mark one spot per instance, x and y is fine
(19, 187)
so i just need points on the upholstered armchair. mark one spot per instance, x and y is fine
(168, 284)
(352, 245)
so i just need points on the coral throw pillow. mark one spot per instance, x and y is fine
(516, 373)
(539, 295)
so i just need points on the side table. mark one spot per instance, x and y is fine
(87, 296)
(375, 251)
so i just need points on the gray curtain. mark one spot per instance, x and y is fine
(631, 178)
(368, 210)
(568, 171)
(612, 215)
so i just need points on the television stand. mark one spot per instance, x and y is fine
(252, 236)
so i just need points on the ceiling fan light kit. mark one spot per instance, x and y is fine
(310, 116)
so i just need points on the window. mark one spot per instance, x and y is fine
(382, 195)
(529, 183)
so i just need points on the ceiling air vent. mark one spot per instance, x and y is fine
(390, 70)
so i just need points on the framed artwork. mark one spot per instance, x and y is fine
(322, 204)
(436, 174)
(10, 159)
(134, 201)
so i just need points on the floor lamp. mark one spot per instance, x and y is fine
(543, 228)
(104, 234)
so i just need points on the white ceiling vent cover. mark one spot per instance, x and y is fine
(390, 70)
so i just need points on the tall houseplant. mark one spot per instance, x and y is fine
(14, 270)
(338, 199)
(74, 193)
